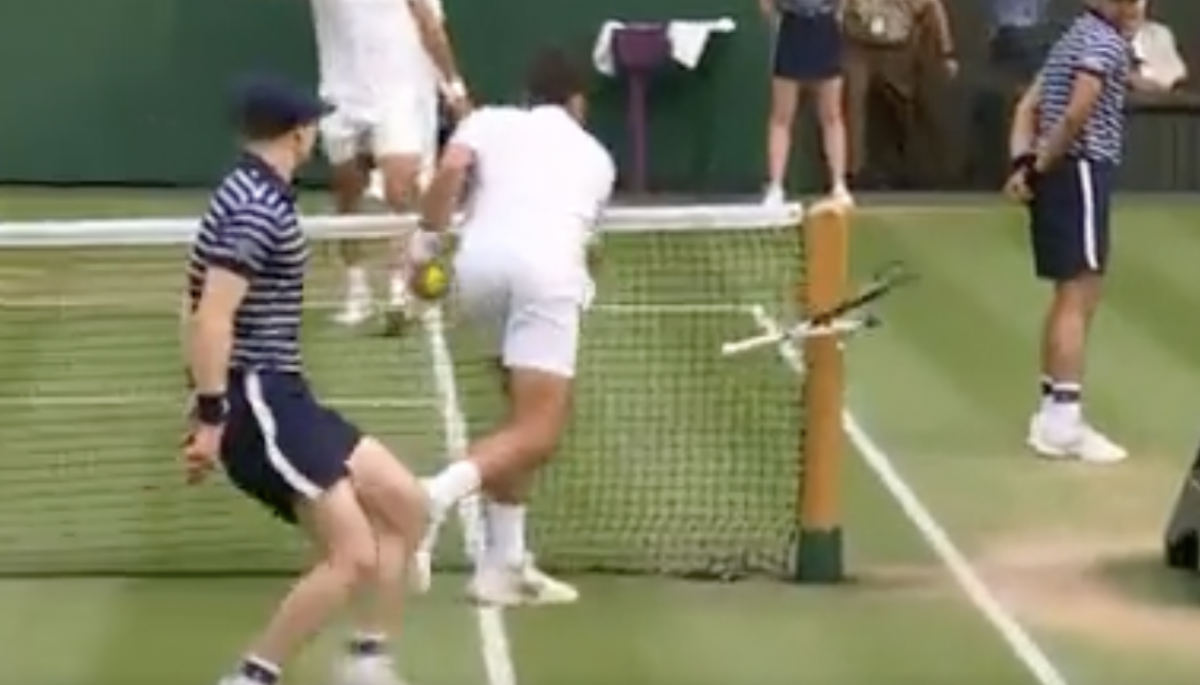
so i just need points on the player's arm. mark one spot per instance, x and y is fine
(211, 331)
(238, 254)
(1091, 71)
(449, 179)
(436, 41)
(606, 179)
(1023, 135)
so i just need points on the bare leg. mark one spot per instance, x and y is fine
(342, 532)
(400, 191)
(833, 133)
(394, 502)
(349, 182)
(785, 95)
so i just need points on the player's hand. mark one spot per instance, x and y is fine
(201, 451)
(459, 106)
(1017, 187)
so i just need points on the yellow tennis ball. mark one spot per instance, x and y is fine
(431, 282)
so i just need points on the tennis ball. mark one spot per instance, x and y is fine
(431, 281)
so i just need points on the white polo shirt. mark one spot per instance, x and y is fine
(540, 183)
(370, 51)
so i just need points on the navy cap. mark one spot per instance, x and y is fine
(266, 105)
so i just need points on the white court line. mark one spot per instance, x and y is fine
(1019, 641)
(497, 655)
(139, 400)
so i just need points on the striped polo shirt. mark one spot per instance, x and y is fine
(1092, 44)
(251, 227)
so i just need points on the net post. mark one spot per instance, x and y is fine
(819, 557)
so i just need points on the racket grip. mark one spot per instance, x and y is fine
(731, 349)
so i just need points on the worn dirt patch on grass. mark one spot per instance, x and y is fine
(1111, 589)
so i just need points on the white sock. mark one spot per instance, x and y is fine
(357, 285)
(451, 484)
(505, 533)
(399, 288)
(1065, 406)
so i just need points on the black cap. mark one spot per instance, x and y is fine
(266, 106)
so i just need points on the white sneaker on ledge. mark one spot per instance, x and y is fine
(1053, 439)
(841, 195)
(774, 197)
(521, 585)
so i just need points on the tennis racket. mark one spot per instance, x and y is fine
(836, 320)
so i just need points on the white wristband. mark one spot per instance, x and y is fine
(425, 246)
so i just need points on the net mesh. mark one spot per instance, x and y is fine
(678, 461)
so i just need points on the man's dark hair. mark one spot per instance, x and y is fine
(553, 78)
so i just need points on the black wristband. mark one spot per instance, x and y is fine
(211, 409)
(1025, 162)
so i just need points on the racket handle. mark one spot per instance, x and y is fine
(735, 348)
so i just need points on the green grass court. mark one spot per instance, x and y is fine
(680, 462)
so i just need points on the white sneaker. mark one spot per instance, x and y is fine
(841, 195)
(1078, 440)
(774, 197)
(355, 312)
(374, 188)
(366, 670)
(522, 585)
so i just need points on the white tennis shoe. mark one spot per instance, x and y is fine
(521, 585)
(1055, 439)
(355, 311)
(774, 197)
(375, 669)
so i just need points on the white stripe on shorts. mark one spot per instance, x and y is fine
(1087, 191)
(270, 434)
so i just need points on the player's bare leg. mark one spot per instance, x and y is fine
(1058, 429)
(342, 533)
(502, 464)
(349, 181)
(394, 503)
(400, 174)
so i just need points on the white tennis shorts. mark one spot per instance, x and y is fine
(527, 315)
(402, 122)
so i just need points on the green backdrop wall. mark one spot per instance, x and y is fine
(133, 91)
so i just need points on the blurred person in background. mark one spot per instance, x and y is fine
(1019, 39)
(807, 58)
(1159, 65)
(382, 64)
(895, 49)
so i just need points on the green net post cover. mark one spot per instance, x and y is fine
(819, 556)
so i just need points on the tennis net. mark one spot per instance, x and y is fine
(678, 461)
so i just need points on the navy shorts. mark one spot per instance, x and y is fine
(280, 443)
(1069, 219)
(808, 47)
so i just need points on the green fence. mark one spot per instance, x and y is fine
(132, 91)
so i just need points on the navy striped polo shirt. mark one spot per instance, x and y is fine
(1094, 44)
(252, 228)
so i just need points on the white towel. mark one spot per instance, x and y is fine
(688, 40)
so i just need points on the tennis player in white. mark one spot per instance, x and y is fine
(383, 64)
(522, 268)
